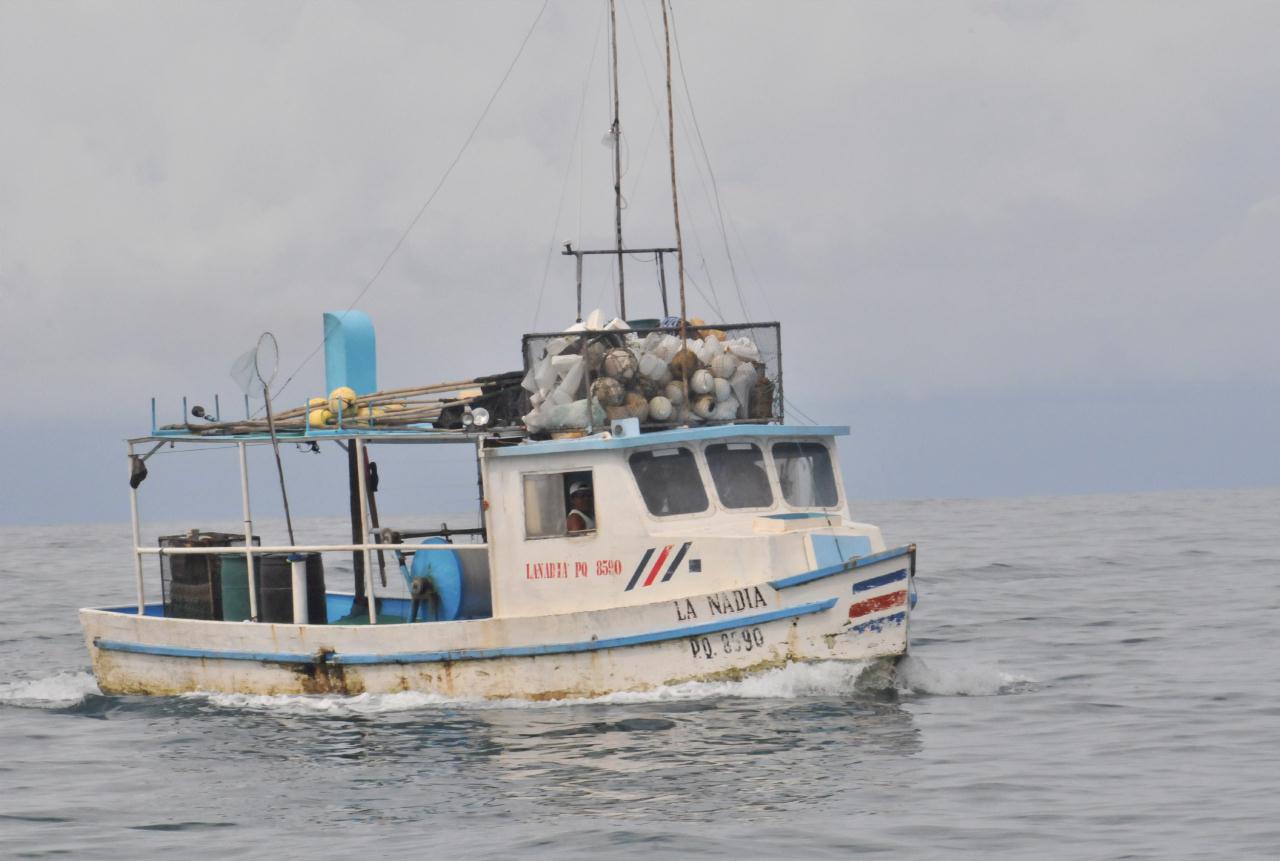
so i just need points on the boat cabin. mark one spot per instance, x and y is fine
(673, 513)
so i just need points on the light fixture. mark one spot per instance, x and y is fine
(474, 417)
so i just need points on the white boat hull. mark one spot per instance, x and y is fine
(857, 611)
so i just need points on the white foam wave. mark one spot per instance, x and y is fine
(955, 678)
(833, 678)
(312, 704)
(56, 691)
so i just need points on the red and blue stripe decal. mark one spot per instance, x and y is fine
(878, 603)
(657, 565)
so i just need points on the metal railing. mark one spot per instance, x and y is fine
(249, 551)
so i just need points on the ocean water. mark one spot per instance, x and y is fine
(1090, 677)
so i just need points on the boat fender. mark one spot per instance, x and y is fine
(441, 573)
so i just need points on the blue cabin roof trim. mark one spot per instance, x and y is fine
(667, 437)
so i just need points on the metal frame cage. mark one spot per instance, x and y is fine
(722, 373)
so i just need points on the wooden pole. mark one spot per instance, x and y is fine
(275, 445)
(671, 150)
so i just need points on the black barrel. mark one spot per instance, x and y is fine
(275, 588)
(191, 584)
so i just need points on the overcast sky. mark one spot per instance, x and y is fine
(1020, 247)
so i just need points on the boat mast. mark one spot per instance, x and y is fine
(616, 134)
(671, 149)
(618, 251)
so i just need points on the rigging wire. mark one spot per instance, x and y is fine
(435, 191)
(564, 187)
(653, 98)
(715, 187)
(795, 409)
(702, 181)
(791, 405)
(719, 209)
(697, 243)
(751, 269)
(710, 302)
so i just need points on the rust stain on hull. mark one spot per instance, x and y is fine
(322, 677)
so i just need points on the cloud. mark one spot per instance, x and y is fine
(934, 199)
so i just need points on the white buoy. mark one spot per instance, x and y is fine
(654, 368)
(726, 410)
(744, 349)
(701, 382)
(723, 366)
(674, 392)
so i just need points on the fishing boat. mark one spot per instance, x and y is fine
(646, 517)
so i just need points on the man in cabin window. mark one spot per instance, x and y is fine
(581, 517)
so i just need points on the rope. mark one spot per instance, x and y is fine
(439, 185)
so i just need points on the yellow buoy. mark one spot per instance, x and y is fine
(318, 403)
(320, 417)
(342, 400)
(393, 407)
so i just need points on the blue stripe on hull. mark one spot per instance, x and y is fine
(472, 654)
(877, 582)
(588, 646)
(215, 654)
(832, 570)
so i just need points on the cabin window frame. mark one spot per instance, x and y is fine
(561, 472)
(713, 502)
(838, 505)
(775, 488)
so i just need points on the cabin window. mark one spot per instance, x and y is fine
(669, 481)
(805, 475)
(558, 504)
(737, 468)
